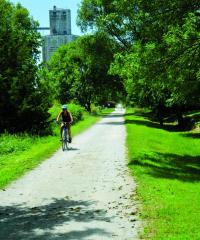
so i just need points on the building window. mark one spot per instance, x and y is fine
(54, 31)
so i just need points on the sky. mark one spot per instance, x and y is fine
(39, 10)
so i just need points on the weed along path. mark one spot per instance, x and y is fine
(85, 193)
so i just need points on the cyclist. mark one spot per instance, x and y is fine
(66, 117)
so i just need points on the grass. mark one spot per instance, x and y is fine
(166, 166)
(21, 153)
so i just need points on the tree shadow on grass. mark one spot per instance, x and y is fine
(171, 166)
(192, 135)
(129, 114)
(169, 122)
(19, 222)
(148, 121)
(170, 128)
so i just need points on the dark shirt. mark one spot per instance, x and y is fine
(66, 117)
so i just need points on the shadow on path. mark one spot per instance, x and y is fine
(112, 123)
(112, 115)
(23, 223)
(73, 149)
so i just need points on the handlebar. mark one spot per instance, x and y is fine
(65, 123)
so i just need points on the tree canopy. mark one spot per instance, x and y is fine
(80, 70)
(159, 60)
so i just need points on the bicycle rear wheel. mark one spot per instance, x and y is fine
(63, 145)
(64, 140)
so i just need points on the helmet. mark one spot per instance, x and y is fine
(64, 107)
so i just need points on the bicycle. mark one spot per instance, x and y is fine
(65, 137)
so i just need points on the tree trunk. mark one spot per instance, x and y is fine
(88, 106)
(161, 122)
(160, 115)
(180, 119)
(88, 103)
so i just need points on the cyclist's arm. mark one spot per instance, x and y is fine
(71, 117)
(58, 117)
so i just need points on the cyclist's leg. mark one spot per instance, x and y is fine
(69, 132)
(61, 130)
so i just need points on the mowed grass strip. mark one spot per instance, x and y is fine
(166, 166)
(21, 153)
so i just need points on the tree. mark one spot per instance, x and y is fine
(115, 18)
(23, 97)
(81, 70)
(159, 62)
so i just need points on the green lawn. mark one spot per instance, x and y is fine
(21, 153)
(166, 166)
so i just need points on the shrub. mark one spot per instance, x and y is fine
(95, 110)
(15, 143)
(76, 111)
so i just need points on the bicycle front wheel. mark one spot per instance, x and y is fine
(64, 140)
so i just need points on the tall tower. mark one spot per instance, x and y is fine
(60, 32)
(60, 21)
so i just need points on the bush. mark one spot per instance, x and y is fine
(95, 110)
(15, 143)
(76, 111)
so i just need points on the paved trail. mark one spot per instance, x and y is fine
(81, 194)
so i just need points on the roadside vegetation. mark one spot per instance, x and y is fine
(166, 166)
